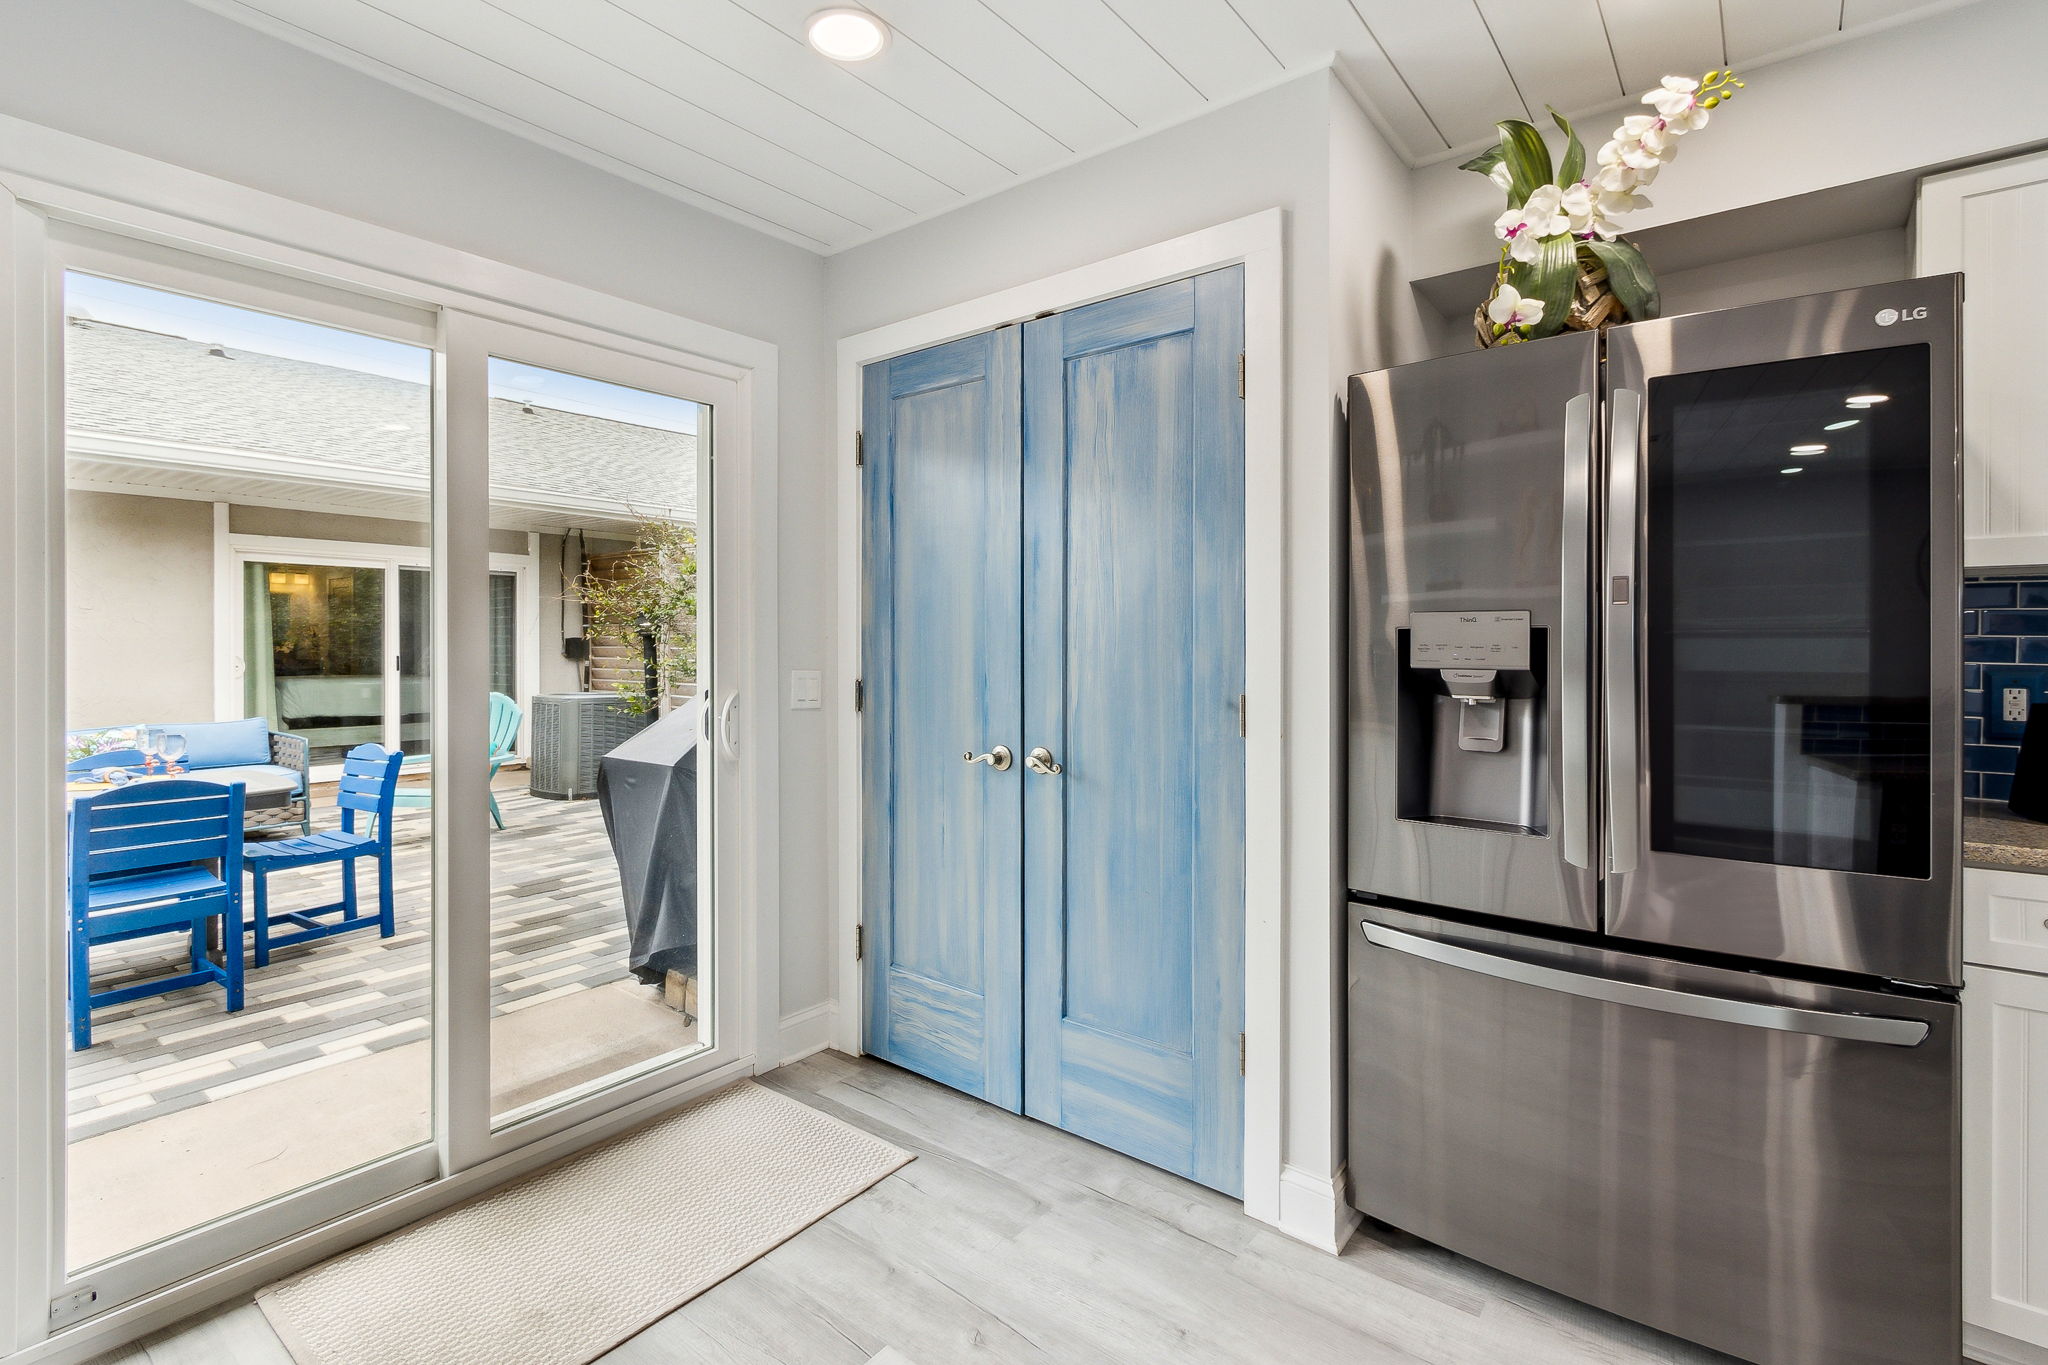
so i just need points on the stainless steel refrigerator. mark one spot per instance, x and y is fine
(1654, 821)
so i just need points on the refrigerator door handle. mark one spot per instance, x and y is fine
(1862, 1028)
(1575, 642)
(1620, 591)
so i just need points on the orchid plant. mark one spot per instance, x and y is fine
(1559, 217)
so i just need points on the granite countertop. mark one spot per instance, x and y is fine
(1994, 837)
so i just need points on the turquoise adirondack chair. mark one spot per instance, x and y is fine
(505, 720)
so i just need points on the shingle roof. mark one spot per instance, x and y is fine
(123, 382)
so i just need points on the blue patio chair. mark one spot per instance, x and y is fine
(369, 781)
(112, 758)
(505, 719)
(155, 858)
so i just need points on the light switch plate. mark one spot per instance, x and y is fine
(2016, 700)
(806, 689)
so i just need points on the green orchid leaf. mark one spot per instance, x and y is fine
(1484, 162)
(1629, 276)
(1573, 168)
(1527, 158)
(1551, 277)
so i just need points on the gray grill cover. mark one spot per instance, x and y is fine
(647, 789)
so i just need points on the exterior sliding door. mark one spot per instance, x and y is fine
(216, 1094)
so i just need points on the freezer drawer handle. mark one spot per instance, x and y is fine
(1862, 1028)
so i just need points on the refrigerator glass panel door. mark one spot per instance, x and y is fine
(1780, 594)
(1786, 603)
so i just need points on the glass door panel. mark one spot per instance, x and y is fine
(1788, 609)
(200, 1081)
(415, 678)
(599, 952)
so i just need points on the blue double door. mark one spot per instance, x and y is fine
(1053, 908)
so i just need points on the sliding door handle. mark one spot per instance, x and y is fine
(1859, 1028)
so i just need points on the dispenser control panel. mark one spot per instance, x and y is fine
(1468, 639)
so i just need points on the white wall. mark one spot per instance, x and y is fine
(1960, 86)
(139, 597)
(176, 83)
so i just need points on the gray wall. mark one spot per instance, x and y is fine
(138, 590)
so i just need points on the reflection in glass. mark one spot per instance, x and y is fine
(599, 944)
(1788, 609)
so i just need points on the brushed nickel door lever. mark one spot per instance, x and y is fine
(1039, 760)
(997, 758)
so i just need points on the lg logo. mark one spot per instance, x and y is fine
(1887, 316)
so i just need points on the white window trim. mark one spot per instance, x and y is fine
(1255, 241)
(231, 627)
(47, 175)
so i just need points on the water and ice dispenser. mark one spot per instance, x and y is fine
(1473, 748)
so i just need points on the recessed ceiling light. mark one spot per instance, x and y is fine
(1810, 448)
(1795, 469)
(846, 35)
(1866, 400)
(1840, 426)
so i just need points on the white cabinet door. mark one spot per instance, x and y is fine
(1986, 222)
(2005, 1152)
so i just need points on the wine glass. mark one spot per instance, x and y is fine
(152, 746)
(173, 750)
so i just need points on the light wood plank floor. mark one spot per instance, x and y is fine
(1008, 1241)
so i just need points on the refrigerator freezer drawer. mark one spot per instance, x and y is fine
(1762, 1166)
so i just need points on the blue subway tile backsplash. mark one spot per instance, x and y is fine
(2005, 645)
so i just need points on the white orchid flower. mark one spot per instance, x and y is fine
(1509, 309)
(1523, 229)
(1591, 209)
(1673, 95)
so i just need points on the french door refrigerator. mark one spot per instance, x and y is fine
(1654, 819)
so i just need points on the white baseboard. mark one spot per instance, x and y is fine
(807, 1031)
(1316, 1208)
(1987, 1347)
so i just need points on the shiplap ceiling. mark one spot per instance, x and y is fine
(722, 104)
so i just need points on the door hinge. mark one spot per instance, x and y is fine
(860, 449)
(860, 942)
(69, 1308)
(1240, 374)
(1242, 723)
(1240, 1054)
(860, 695)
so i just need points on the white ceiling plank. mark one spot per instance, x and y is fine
(912, 75)
(498, 31)
(1556, 53)
(1765, 28)
(495, 93)
(658, 57)
(993, 53)
(1653, 39)
(1391, 103)
(1447, 56)
(1105, 53)
(1207, 41)
(1857, 13)
(746, 43)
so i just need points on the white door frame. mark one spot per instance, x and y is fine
(51, 177)
(1255, 242)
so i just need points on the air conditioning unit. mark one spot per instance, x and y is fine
(571, 732)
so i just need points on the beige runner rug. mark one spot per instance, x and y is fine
(560, 1267)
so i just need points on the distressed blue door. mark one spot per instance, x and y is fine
(1133, 666)
(943, 644)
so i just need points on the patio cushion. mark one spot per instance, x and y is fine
(223, 743)
(259, 780)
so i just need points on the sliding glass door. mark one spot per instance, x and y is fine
(439, 582)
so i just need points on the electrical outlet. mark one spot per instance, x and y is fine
(2016, 701)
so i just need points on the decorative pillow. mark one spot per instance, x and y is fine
(224, 743)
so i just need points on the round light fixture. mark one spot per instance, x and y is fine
(1810, 448)
(1866, 400)
(1841, 426)
(846, 35)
